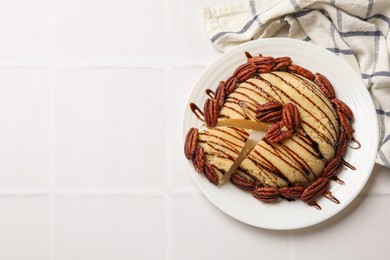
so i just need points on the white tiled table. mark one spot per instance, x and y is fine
(91, 98)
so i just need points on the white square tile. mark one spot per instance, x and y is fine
(201, 231)
(109, 228)
(116, 29)
(110, 129)
(189, 41)
(24, 131)
(24, 30)
(358, 232)
(181, 82)
(24, 225)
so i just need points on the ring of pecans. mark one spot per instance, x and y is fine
(286, 120)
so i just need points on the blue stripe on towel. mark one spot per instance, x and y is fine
(376, 74)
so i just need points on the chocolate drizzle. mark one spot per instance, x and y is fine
(347, 164)
(297, 166)
(357, 142)
(315, 204)
(271, 168)
(330, 197)
(215, 145)
(314, 145)
(304, 167)
(195, 109)
(230, 103)
(315, 89)
(243, 135)
(321, 135)
(260, 92)
(272, 87)
(210, 93)
(338, 180)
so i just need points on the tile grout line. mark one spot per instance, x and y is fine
(83, 64)
(52, 168)
(169, 177)
(174, 192)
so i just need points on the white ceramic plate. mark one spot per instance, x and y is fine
(349, 88)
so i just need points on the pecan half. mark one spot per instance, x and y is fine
(266, 194)
(269, 112)
(190, 143)
(244, 72)
(291, 192)
(277, 133)
(346, 124)
(291, 117)
(211, 111)
(263, 63)
(264, 68)
(341, 144)
(261, 60)
(301, 71)
(230, 85)
(324, 85)
(281, 63)
(332, 168)
(198, 160)
(315, 190)
(220, 93)
(340, 105)
(210, 174)
(242, 182)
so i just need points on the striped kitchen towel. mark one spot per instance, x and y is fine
(357, 31)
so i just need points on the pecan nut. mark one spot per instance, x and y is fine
(261, 60)
(211, 111)
(291, 192)
(263, 64)
(301, 71)
(281, 63)
(264, 68)
(341, 144)
(324, 85)
(242, 182)
(190, 143)
(199, 161)
(244, 72)
(248, 55)
(266, 194)
(332, 168)
(291, 117)
(230, 85)
(210, 174)
(269, 112)
(346, 124)
(340, 105)
(315, 190)
(277, 133)
(220, 93)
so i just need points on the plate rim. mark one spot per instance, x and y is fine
(370, 106)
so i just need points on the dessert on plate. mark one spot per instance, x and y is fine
(306, 131)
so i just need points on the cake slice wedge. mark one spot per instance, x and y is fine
(213, 151)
